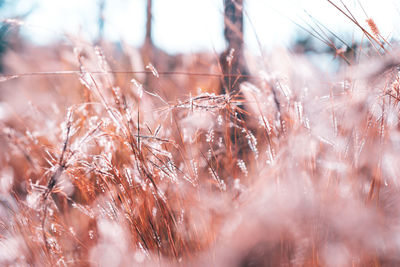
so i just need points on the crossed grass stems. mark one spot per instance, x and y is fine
(160, 233)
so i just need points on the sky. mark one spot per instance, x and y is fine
(196, 25)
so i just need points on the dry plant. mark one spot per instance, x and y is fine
(298, 168)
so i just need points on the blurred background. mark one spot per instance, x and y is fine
(189, 26)
(320, 150)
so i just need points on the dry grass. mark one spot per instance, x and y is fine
(298, 169)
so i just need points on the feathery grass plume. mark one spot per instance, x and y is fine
(96, 168)
(373, 27)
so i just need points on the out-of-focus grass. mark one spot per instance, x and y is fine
(98, 168)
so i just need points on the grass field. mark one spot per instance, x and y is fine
(107, 160)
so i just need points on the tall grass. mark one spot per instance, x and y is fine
(298, 168)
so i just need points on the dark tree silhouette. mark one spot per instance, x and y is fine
(233, 64)
(149, 17)
(148, 47)
(232, 60)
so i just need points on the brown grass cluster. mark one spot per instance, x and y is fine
(98, 168)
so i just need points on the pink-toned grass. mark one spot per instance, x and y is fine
(97, 168)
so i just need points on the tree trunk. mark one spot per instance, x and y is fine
(148, 47)
(233, 67)
(232, 59)
(148, 38)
